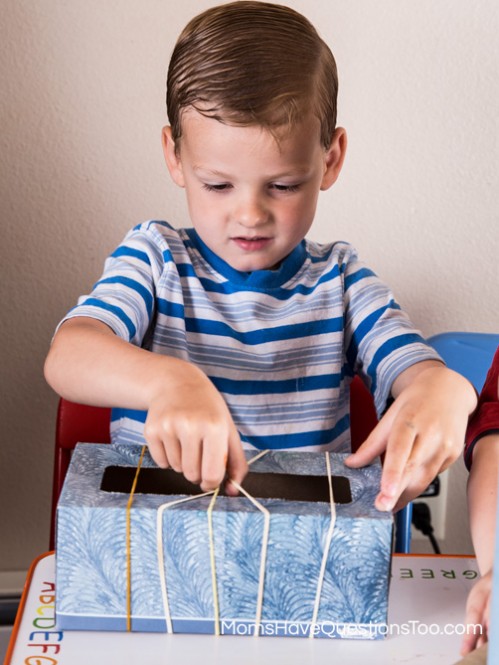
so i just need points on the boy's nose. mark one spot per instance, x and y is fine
(251, 213)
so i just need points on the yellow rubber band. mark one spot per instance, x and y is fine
(216, 609)
(128, 545)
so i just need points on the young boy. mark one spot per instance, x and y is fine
(482, 459)
(238, 331)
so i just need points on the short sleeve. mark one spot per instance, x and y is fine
(381, 341)
(124, 296)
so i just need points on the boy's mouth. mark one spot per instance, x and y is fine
(251, 244)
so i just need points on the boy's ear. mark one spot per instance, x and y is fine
(334, 158)
(172, 157)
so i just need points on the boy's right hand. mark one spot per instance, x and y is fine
(189, 428)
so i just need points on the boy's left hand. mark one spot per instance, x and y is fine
(421, 434)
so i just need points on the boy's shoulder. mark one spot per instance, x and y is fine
(155, 229)
(339, 252)
(159, 235)
(338, 247)
(154, 244)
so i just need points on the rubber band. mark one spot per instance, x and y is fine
(128, 545)
(161, 554)
(263, 555)
(253, 459)
(216, 608)
(325, 555)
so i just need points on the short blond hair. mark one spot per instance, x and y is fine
(253, 63)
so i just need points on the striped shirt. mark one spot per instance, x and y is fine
(281, 345)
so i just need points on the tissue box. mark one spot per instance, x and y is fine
(288, 563)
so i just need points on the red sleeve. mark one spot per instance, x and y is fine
(485, 419)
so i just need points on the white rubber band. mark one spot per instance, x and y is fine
(253, 459)
(263, 554)
(161, 553)
(329, 537)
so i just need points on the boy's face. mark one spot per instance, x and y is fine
(251, 199)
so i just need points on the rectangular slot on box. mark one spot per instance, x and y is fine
(259, 485)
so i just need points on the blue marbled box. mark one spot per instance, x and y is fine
(331, 581)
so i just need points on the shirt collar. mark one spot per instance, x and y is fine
(266, 279)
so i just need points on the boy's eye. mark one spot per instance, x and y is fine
(285, 188)
(222, 187)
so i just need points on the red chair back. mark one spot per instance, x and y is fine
(363, 417)
(75, 422)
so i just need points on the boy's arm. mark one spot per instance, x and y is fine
(422, 432)
(482, 499)
(188, 426)
(482, 508)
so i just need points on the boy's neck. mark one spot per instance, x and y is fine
(269, 277)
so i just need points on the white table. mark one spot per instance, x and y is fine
(427, 599)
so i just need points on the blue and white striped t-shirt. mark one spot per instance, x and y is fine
(280, 345)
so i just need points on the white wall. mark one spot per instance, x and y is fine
(82, 106)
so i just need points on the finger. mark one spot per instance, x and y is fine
(154, 444)
(470, 638)
(419, 469)
(173, 451)
(156, 450)
(372, 447)
(482, 639)
(397, 466)
(404, 498)
(191, 461)
(213, 460)
(483, 621)
(477, 608)
(468, 643)
(237, 466)
(417, 476)
(158, 435)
